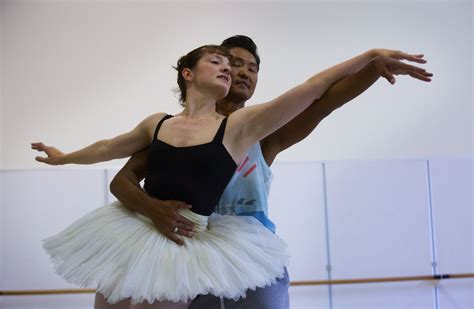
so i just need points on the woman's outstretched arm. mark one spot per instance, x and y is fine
(121, 146)
(249, 125)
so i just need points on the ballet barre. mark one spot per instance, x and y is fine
(293, 283)
(382, 280)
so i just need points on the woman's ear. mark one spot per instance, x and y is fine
(187, 74)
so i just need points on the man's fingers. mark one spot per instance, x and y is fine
(416, 72)
(404, 69)
(388, 76)
(183, 232)
(185, 221)
(186, 227)
(182, 221)
(174, 237)
(419, 76)
(182, 205)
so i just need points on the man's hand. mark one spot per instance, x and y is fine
(54, 156)
(165, 215)
(167, 219)
(388, 67)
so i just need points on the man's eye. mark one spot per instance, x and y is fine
(236, 64)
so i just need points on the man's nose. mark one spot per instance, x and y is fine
(243, 73)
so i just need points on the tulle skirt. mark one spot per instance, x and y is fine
(122, 255)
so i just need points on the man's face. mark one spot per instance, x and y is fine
(244, 74)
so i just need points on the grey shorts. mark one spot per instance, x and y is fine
(271, 297)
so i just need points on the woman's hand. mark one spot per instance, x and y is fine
(118, 147)
(398, 55)
(54, 156)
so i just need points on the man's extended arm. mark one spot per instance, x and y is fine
(165, 214)
(337, 95)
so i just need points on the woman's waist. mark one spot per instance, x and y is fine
(203, 202)
(200, 221)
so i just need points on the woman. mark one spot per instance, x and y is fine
(128, 258)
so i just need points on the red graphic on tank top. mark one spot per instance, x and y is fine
(250, 170)
(242, 164)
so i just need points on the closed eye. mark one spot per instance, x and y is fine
(237, 64)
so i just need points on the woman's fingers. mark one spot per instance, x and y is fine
(41, 159)
(414, 58)
(38, 146)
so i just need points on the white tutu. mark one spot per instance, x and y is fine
(122, 255)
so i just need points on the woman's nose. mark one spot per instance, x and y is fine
(226, 68)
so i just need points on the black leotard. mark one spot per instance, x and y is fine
(195, 174)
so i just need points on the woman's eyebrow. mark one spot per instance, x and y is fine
(217, 56)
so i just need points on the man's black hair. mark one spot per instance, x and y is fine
(244, 42)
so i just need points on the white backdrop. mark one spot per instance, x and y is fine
(78, 71)
(383, 218)
(2, 77)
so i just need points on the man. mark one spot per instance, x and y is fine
(247, 192)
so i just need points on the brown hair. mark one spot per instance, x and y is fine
(191, 59)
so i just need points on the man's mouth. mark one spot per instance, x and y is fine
(243, 82)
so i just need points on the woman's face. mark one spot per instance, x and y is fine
(212, 74)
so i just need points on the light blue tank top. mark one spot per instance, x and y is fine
(247, 192)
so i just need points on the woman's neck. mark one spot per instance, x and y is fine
(199, 106)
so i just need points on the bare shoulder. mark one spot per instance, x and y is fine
(151, 121)
(239, 117)
(154, 118)
(234, 123)
(147, 126)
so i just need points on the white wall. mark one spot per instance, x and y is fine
(381, 218)
(78, 71)
(2, 262)
(2, 77)
(1, 129)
